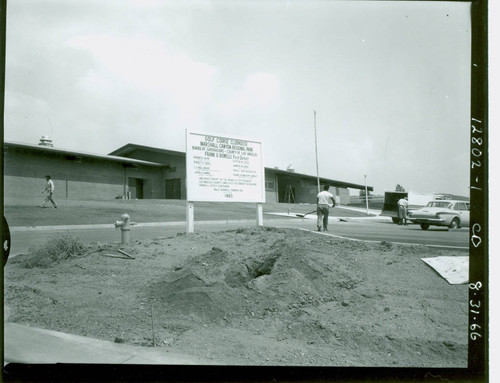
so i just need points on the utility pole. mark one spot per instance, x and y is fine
(316, 146)
(366, 196)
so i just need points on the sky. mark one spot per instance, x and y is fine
(389, 82)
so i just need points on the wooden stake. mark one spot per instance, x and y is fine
(115, 256)
(153, 326)
(124, 253)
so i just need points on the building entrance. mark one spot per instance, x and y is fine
(173, 188)
(136, 188)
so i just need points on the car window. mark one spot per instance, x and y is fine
(467, 204)
(439, 204)
(461, 206)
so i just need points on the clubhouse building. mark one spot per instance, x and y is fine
(133, 172)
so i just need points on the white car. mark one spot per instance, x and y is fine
(449, 213)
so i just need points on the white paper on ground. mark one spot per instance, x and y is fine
(454, 269)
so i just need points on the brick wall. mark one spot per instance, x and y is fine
(343, 196)
(26, 190)
(74, 178)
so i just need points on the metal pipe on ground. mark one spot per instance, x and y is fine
(303, 215)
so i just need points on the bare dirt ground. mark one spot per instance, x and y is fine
(254, 296)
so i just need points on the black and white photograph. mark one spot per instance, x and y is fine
(254, 184)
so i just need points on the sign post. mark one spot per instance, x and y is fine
(260, 216)
(223, 169)
(189, 217)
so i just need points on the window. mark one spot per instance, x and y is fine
(270, 185)
(460, 206)
(439, 204)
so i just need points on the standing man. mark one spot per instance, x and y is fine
(323, 200)
(402, 211)
(407, 204)
(50, 190)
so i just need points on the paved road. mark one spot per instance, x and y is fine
(356, 228)
(387, 231)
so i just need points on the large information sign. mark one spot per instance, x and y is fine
(223, 169)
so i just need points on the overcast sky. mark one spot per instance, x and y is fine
(390, 82)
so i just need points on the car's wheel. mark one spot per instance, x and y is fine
(455, 223)
(395, 220)
(424, 226)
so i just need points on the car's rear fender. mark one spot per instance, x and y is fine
(448, 217)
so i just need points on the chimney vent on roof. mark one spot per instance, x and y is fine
(290, 168)
(46, 141)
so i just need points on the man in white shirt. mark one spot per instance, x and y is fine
(50, 190)
(402, 211)
(323, 205)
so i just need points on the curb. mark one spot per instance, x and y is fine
(26, 344)
(17, 229)
(395, 243)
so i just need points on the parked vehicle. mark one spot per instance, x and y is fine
(390, 208)
(450, 213)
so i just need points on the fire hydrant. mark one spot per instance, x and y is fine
(124, 226)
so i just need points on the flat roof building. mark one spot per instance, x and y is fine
(133, 171)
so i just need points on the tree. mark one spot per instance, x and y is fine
(399, 188)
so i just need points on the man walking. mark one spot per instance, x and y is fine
(50, 192)
(323, 206)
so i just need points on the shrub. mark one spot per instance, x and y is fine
(53, 251)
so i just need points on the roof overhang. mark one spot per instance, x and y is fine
(129, 148)
(322, 180)
(78, 156)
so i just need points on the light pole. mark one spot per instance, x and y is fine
(316, 146)
(366, 196)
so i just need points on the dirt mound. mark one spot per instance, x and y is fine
(255, 296)
(279, 275)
